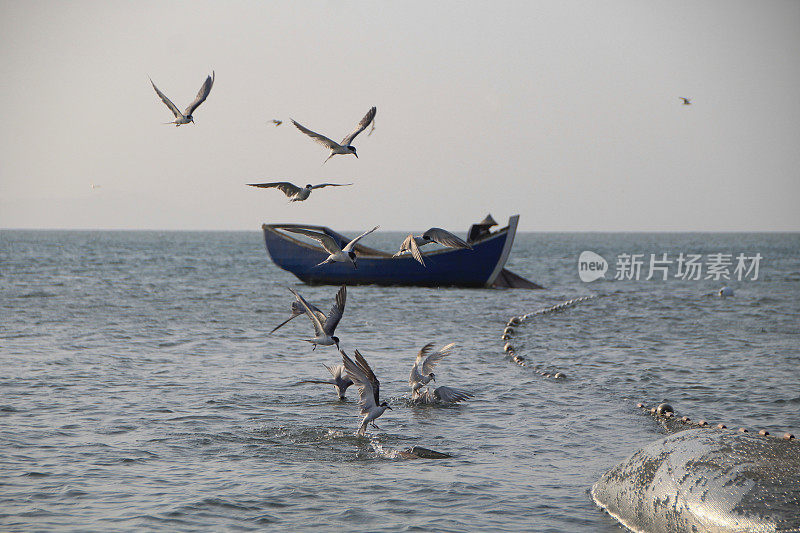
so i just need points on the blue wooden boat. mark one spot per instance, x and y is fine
(482, 266)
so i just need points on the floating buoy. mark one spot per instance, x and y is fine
(721, 426)
(702, 423)
(763, 432)
(788, 436)
(664, 408)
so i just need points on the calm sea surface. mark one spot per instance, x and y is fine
(140, 389)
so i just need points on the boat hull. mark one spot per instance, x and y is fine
(477, 267)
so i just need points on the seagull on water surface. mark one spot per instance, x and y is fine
(186, 117)
(293, 192)
(368, 389)
(339, 381)
(422, 371)
(422, 374)
(323, 331)
(445, 238)
(338, 255)
(344, 147)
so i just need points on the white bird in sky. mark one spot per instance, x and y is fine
(338, 255)
(445, 238)
(368, 389)
(686, 101)
(345, 147)
(324, 331)
(293, 192)
(422, 371)
(186, 117)
(339, 381)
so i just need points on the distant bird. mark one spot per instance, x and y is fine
(277, 122)
(186, 117)
(345, 147)
(422, 371)
(94, 186)
(293, 192)
(297, 310)
(339, 381)
(686, 101)
(338, 255)
(368, 389)
(323, 331)
(441, 394)
(445, 238)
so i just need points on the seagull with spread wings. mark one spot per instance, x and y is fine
(186, 117)
(368, 389)
(323, 331)
(293, 192)
(422, 374)
(339, 381)
(422, 371)
(338, 255)
(438, 235)
(345, 147)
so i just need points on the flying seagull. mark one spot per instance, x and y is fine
(368, 389)
(338, 255)
(277, 122)
(345, 147)
(186, 117)
(293, 192)
(422, 371)
(339, 381)
(686, 101)
(324, 331)
(297, 310)
(445, 238)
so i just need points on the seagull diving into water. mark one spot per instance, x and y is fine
(686, 101)
(293, 192)
(323, 331)
(338, 255)
(368, 389)
(186, 117)
(345, 147)
(445, 238)
(339, 381)
(422, 374)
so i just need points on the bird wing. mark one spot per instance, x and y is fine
(352, 243)
(172, 107)
(318, 381)
(336, 312)
(297, 310)
(202, 94)
(451, 395)
(376, 385)
(410, 245)
(423, 352)
(415, 375)
(445, 238)
(361, 126)
(321, 185)
(327, 242)
(318, 329)
(289, 189)
(435, 357)
(366, 392)
(321, 139)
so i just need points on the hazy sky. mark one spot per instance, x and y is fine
(564, 112)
